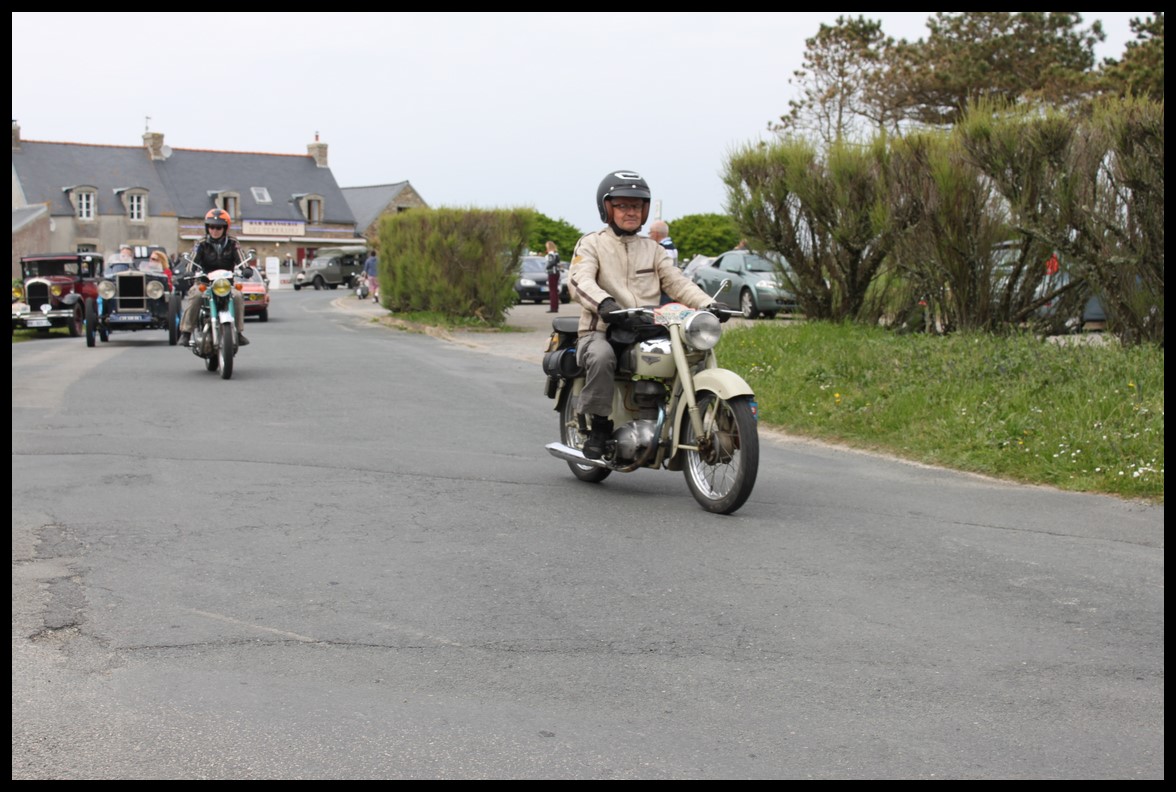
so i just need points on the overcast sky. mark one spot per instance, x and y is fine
(475, 110)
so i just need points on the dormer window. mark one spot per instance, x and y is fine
(84, 200)
(134, 200)
(261, 195)
(229, 200)
(311, 206)
(137, 208)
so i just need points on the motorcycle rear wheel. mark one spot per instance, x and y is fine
(722, 473)
(569, 435)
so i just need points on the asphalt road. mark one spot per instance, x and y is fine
(355, 560)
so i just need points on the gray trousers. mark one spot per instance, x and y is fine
(192, 308)
(596, 356)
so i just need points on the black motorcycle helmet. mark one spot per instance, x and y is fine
(622, 184)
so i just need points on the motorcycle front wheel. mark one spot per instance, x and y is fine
(721, 472)
(228, 344)
(569, 435)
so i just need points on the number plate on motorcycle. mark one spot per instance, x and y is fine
(143, 317)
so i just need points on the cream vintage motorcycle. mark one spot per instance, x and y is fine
(673, 406)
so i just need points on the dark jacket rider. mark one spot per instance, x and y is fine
(216, 251)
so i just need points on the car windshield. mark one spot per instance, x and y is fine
(533, 265)
(43, 269)
(757, 264)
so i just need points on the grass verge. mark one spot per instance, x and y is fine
(1086, 417)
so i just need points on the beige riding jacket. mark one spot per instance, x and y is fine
(633, 270)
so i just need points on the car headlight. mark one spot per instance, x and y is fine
(702, 331)
(221, 287)
(767, 284)
(527, 282)
(17, 293)
(106, 290)
(55, 290)
(154, 289)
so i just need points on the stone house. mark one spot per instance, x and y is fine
(99, 197)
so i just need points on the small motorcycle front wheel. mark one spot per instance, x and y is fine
(228, 346)
(721, 471)
(570, 435)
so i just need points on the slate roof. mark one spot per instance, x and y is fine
(179, 185)
(25, 215)
(368, 203)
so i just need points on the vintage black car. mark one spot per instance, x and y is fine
(53, 291)
(130, 298)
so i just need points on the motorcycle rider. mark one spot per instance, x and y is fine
(216, 251)
(612, 269)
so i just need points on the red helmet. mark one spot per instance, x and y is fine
(217, 218)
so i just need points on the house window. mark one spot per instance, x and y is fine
(230, 206)
(137, 208)
(85, 204)
(261, 195)
(314, 210)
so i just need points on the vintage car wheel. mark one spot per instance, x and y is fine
(91, 321)
(173, 320)
(297, 287)
(77, 324)
(264, 315)
(319, 284)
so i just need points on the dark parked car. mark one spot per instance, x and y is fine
(532, 281)
(130, 298)
(53, 291)
(756, 285)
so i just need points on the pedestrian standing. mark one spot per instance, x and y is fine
(553, 276)
(371, 270)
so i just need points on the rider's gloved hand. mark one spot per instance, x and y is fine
(606, 308)
(719, 309)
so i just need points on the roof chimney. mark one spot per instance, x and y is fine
(318, 151)
(154, 143)
(15, 135)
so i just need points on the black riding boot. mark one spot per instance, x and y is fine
(601, 431)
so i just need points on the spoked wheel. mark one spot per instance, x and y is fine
(228, 346)
(91, 321)
(569, 435)
(77, 325)
(721, 473)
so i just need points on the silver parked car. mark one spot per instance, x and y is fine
(756, 283)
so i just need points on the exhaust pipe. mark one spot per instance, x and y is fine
(572, 455)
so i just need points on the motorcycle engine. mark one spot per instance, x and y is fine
(633, 439)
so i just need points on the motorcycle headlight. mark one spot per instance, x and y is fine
(702, 331)
(221, 287)
(155, 289)
(106, 290)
